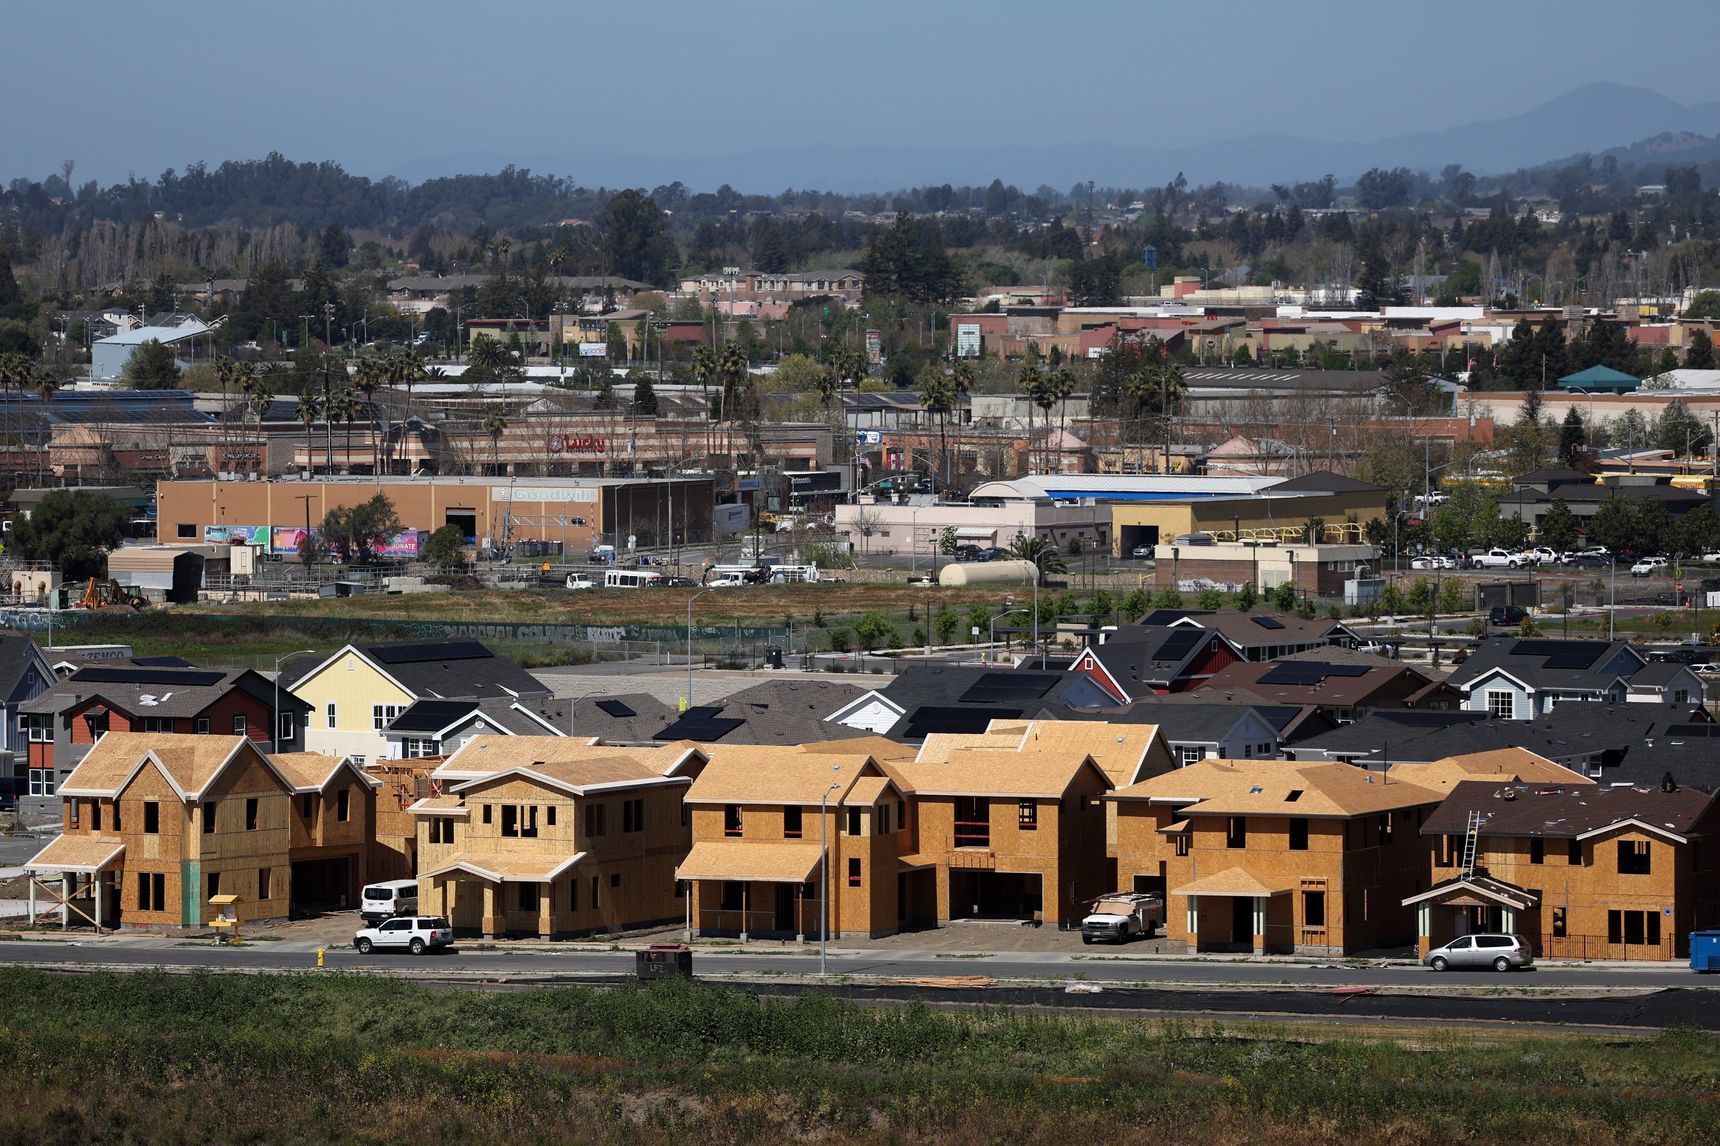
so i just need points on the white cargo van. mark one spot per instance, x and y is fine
(388, 899)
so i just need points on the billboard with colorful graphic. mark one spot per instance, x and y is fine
(408, 545)
(288, 539)
(236, 535)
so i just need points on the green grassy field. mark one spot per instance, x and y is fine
(157, 1058)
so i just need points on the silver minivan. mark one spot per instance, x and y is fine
(1500, 952)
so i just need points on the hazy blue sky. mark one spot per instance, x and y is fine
(128, 88)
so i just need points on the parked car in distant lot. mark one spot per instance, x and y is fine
(1141, 552)
(989, 554)
(1589, 561)
(1544, 555)
(1438, 561)
(1648, 567)
(1500, 559)
(415, 933)
(1500, 952)
(1506, 616)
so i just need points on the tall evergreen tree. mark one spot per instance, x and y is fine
(1571, 435)
(1699, 355)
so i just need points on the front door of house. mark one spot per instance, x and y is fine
(785, 908)
(1242, 921)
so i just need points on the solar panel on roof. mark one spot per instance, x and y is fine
(1569, 661)
(616, 708)
(939, 718)
(1179, 645)
(1005, 686)
(418, 652)
(700, 723)
(1704, 731)
(1268, 622)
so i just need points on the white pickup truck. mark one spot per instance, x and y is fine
(1499, 559)
(1122, 915)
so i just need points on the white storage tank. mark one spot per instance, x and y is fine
(986, 573)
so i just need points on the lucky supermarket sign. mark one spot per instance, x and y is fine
(576, 443)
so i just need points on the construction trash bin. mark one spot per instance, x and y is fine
(773, 656)
(664, 961)
(1705, 950)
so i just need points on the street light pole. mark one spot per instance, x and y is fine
(275, 715)
(991, 651)
(824, 870)
(690, 599)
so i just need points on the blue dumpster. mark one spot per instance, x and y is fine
(1705, 950)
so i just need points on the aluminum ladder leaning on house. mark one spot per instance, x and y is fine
(1471, 834)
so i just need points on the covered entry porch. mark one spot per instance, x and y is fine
(1235, 911)
(750, 889)
(485, 896)
(78, 879)
(1471, 904)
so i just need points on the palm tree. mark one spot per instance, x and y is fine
(1030, 382)
(937, 396)
(368, 377)
(494, 424)
(346, 406)
(46, 385)
(15, 371)
(259, 396)
(310, 408)
(961, 383)
(1044, 555)
(1059, 384)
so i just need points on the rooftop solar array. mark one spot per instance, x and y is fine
(928, 719)
(1310, 672)
(1694, 731)
(993, 687)
(1268, 622)
(1179, 645)
(701, 723)
(1569, 661)
(430, 715)
(418, 652)
(616, 708)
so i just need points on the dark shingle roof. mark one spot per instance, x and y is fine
(1540, 663)
(452, 670)
(1565, 812)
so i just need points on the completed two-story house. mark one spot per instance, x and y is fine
(356, 695)
(1511, 678)
(24, 674)
(64, 719)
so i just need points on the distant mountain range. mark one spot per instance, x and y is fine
(1593, 118)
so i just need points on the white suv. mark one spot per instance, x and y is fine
(1648, 567)
(414, 933)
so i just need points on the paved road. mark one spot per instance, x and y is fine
(294, 955)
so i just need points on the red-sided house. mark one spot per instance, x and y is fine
(64, 721)
(1149, 660)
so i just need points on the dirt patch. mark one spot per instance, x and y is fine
(763, 603)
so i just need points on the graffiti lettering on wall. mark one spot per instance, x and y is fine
(1201, 584)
